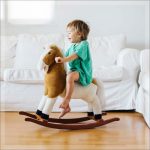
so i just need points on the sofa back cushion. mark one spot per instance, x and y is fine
(30, 47)
(8, 51)
(104, 50)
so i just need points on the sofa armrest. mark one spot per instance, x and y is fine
(144, 60)
(41, 65)
(129, 60)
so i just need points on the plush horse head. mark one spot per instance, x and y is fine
(49, 58)
(55, 76)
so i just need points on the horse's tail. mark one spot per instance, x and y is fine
(100, 92)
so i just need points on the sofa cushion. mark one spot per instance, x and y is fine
(23, 76)
(112, 73)
(144, 80)
(30, 48)
(104, 50)
(35, 76)
(8, 53)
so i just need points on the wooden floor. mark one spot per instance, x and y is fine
(131, 132)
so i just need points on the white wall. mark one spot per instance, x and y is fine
(104, 18)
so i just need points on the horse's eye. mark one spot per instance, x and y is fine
(49, 52)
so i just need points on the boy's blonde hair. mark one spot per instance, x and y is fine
(80, 26)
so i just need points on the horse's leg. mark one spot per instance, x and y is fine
(90, 110)
(94, 107)
(100, 92)
(41, 105)
(97, 108)
(42, 102)
(48, 108)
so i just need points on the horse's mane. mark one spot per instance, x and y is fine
(57, 49)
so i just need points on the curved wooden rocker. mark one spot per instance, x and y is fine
(77, 126)
(70, 124)
(55, 120)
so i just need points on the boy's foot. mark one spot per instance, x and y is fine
(64, 104)
(65, 111)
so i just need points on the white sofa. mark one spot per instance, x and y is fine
(143, 96)
(22, 84)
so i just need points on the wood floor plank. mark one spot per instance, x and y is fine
(131, 132)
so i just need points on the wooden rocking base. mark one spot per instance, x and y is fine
(68, 123)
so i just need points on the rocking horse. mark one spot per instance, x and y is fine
(55, 83)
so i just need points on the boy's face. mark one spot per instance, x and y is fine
(73, 36)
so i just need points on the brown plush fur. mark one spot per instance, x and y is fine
(55, 78)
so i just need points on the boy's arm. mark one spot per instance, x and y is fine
(66, 59)
(70, 58)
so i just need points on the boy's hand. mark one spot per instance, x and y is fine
(59, 59)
